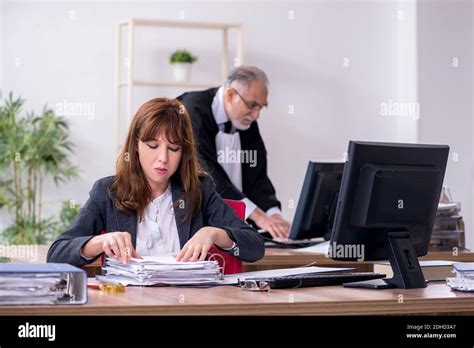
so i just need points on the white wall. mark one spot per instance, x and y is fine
(445, 92)
(67, 52)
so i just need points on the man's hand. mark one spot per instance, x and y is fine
(276, 225)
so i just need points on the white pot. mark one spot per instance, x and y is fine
(182, 72)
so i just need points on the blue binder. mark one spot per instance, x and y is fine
(74, 280)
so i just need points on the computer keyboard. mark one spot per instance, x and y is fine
(317, 279)
(298, 241)
(289, 243)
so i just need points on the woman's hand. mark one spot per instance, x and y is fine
(197, 247)
(117, 245)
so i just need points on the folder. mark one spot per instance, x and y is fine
(42, 284)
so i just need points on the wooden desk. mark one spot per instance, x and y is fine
(287, 258)
(282, 258)
(230, 300)
(41, 251)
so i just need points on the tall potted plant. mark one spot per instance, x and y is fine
(181, 61)
(32, 148)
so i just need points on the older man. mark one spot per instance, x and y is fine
(230, 145)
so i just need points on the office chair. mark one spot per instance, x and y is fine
(230, 264)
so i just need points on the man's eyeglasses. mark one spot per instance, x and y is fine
(254, 106)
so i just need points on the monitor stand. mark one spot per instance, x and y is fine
(407, 272)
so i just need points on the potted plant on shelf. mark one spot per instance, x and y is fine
(181, 61)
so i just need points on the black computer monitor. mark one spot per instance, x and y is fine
(387, 205)
(316, 207)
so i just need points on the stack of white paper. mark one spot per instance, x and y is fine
(157, 270)
(42, 283)
(30, 288)
(464, 280)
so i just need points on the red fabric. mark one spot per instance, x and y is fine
(232, 264)
(102, 257)
(238, 206)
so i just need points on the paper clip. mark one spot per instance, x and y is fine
(254, 285)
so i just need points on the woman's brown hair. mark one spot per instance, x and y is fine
(169, 118)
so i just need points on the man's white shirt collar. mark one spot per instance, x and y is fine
(217, 107)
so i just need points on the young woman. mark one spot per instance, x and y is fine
(159, 202)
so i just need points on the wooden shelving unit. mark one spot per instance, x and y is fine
(129, 82)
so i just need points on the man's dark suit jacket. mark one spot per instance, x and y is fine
(256, 185)
(100, 214)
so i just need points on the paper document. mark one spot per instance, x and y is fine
(321, 248)
(464, 277)
(161, 270)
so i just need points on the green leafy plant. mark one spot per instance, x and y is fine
(68, 212)
(182, 56)
(32, 148)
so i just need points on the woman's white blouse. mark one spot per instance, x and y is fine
(157, 233)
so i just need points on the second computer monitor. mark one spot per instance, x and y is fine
(318, 199)
(387, 205)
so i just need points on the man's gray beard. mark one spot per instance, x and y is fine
(240, 126)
